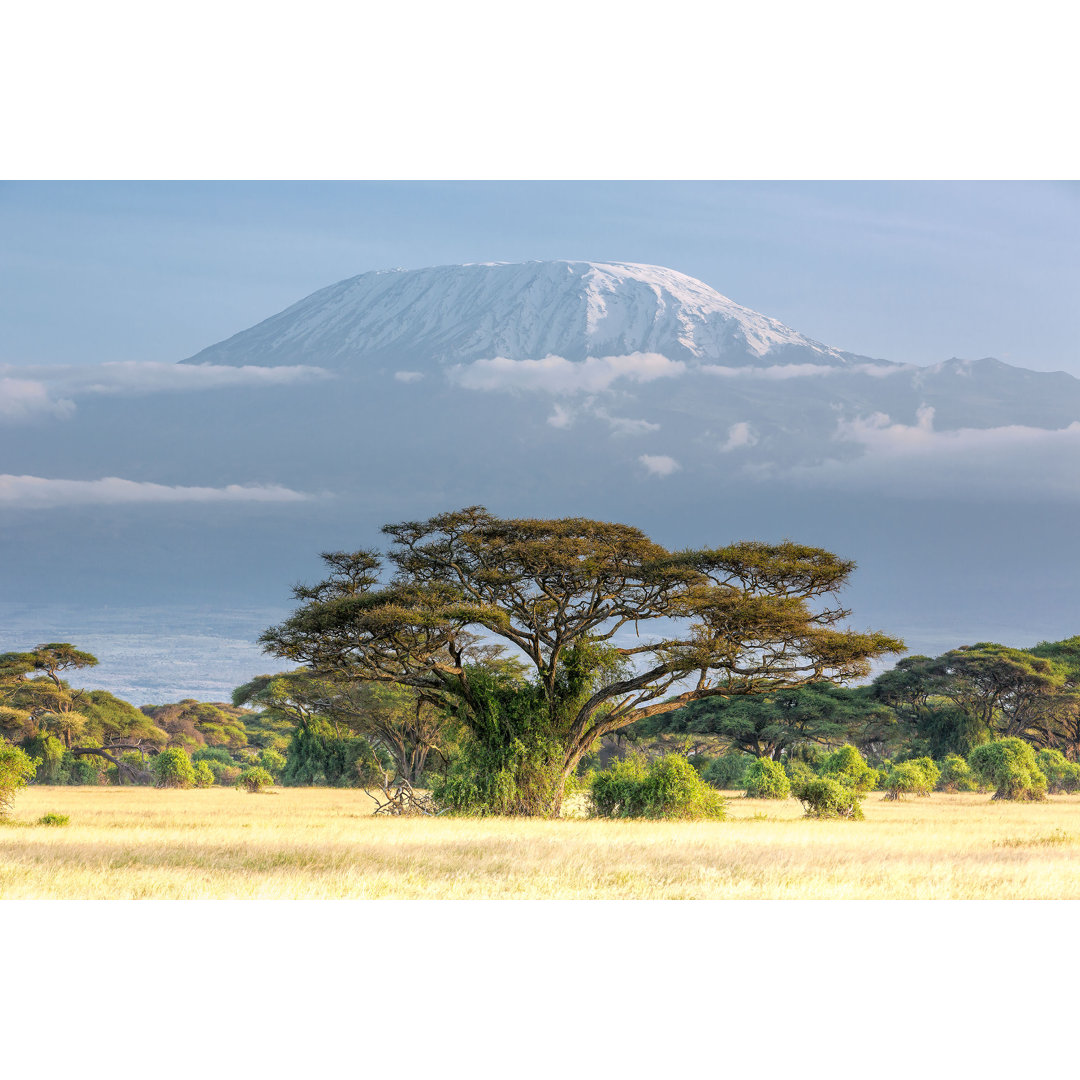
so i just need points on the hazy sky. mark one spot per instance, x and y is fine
(907, 271)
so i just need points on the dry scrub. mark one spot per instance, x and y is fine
(317, 842)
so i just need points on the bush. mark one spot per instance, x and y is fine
(798, 770)
(848, 767)
(907, 778)
(204, 775)
(667, 787)
(273, 762)
(173, 768)
(929, 770)
(727, 771)
(1010, 767)
(254, 779)
(766, 779)
(211, 754)
(85, 770)
(54, 819)
(1061, 774)
(827, 797)
(17, 769)
(955, 775)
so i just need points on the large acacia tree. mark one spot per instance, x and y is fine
(568, 596)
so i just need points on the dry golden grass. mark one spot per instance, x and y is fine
(323, 843)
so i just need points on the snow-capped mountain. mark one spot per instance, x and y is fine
(520, 311)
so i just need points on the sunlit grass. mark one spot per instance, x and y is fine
(317, 842)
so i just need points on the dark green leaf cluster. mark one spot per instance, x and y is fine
(766, 779)
(827, 797)
(1010, 767)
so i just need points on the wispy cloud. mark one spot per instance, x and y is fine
(659, 464)
(775, 372)
(557, 375)
(39, 492)
(408, 376)
(28, 392)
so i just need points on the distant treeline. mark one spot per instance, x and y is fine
(305, 730)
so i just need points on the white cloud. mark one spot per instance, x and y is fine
(623, 425)
(22, 399)
(30, 391)
(408, 376)
(801, 371)
(557, 375)
(38, 492)
(560, 417)
(739, 435)
(1011, 461)
(659, 464)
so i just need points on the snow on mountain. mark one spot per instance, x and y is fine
(518, 311)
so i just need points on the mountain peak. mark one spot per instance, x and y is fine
(518, 311)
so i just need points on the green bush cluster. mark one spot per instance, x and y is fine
(727, 771)
(828, 797)
(17, 769)
(666, 787)
(54, 819)
(1009, 766)
(766, 779)
(849, 768)
(254, 779)
(956, 775)
(172, 768)
(1061, 775)
(910, 778)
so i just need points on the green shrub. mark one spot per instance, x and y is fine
(1009, 766)
(929, 770)
(49, 752)
(273, 762)
(667, 787)
(204, 775)
(849, 768)
(827, 797)
(797, 770)
(85, 770)
(173, 768)
(54, 819)
(907, 778)
(17, 769)
(955, 775)
(254, 779)
(766, 779)
(211, 754)
(727, 771)
(1061, 775)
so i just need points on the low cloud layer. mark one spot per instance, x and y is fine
(29, 392)
(41, 493)
(775, 372)
(659, 464)
(1010, 461)
(559, 376)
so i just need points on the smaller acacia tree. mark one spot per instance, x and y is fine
(17, 769)
(1009, 765)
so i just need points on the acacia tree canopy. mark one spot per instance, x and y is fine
(748, 618)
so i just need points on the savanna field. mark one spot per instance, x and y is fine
(136, 842)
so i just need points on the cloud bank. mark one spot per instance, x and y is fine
(39, 492)
(776, 372)
(559, 376)
(48, 390)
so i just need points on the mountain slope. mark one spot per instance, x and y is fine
(521, 311)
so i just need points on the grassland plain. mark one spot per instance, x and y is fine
(323, 843)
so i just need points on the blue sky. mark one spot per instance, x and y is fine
(907, 271)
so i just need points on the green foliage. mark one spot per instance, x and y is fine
(17, 769)
(1010, 767)
(849, 767)
(956, 775)
(273, 762)
(317, 755)
(83, 770)
(173, 768)
(827, 797)
(907, 778)
(203, 774)
(727, 771)
(54, 819)
(254, 779)
(929, 770)
(667, 787)
(1061, 775)
(49, 752)
(798, 771)
(766, 779)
